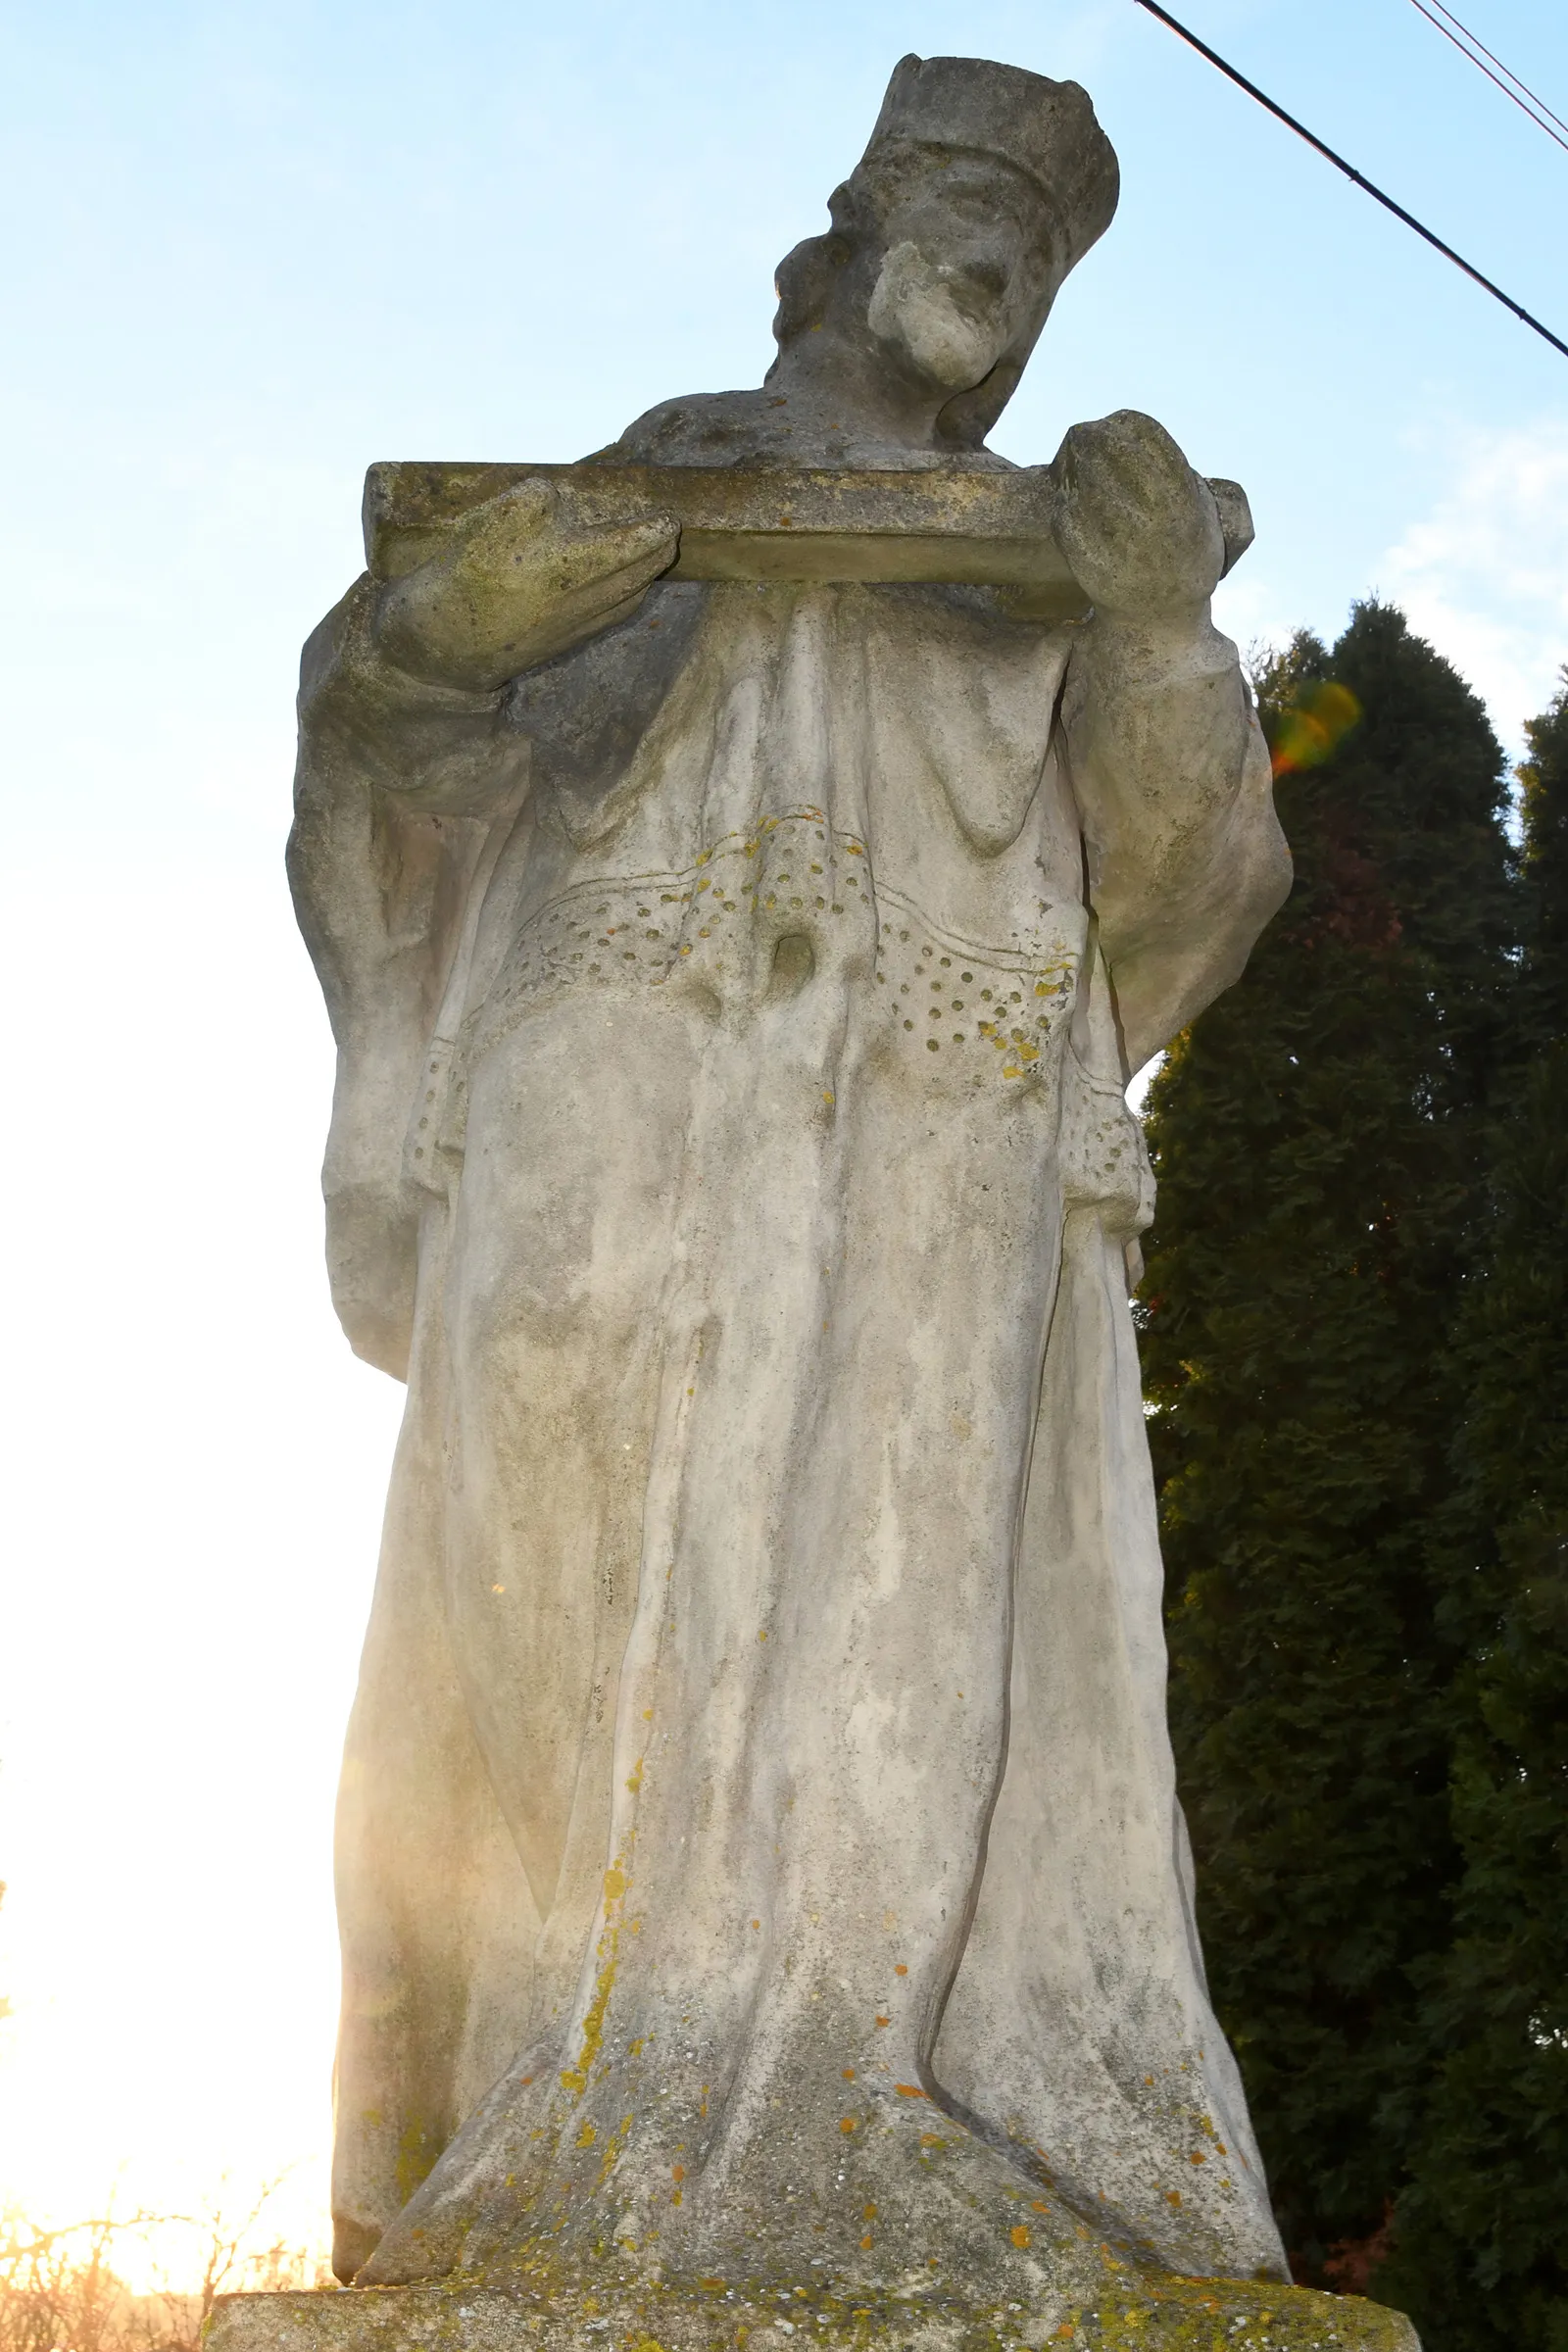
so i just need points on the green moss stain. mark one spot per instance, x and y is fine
(416, 2154)
(1138, 2312)
(575, 2077)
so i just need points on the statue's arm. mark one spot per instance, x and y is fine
(1186, 860)
(407, 766)
(402, 686)
(397, 783)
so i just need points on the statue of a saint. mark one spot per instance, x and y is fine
(759, 1855)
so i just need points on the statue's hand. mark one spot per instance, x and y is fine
(523, 578)
(1140, 530)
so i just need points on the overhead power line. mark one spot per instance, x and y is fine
(1510, 84)
(1351, 172)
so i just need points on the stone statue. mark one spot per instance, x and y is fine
(765, 1899)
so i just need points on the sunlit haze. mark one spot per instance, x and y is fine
(250, 250)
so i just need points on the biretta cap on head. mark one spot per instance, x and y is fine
(1046, 129)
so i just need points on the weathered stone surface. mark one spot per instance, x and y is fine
(761, 1873)
(1126, 2315)
(957, 524)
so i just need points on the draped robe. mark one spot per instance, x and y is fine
(759, 1843)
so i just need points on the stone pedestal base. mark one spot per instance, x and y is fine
(1153, 2311)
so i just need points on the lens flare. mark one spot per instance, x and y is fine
(1312, 727)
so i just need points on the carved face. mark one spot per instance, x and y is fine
(967, 269)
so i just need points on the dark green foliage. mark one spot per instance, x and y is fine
(1543, 998)
(1319, 1138)
(1481, 2234)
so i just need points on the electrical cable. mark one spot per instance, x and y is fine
(1508, 83)
(1351, 172)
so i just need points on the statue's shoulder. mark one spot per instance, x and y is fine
(775, 432)
(701, 428)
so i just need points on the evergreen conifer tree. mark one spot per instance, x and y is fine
(1479, 2253)
(1318, 1137)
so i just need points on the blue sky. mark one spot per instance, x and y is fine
(249, 250)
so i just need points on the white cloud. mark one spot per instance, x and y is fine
(1484, 576)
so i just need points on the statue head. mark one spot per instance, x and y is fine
(980, 188)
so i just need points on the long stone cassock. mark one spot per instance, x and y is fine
(761, 1727)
